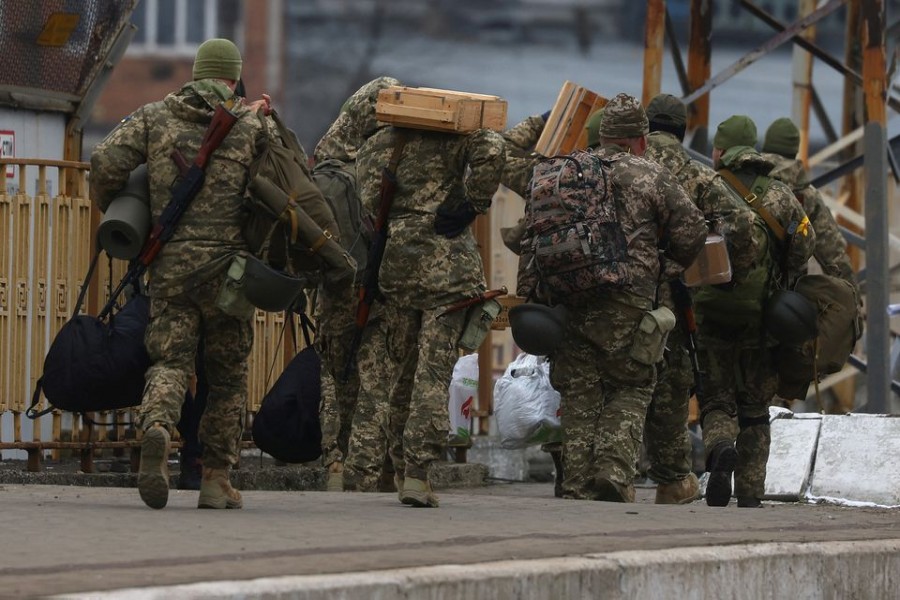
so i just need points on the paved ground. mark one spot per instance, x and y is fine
(66, 539)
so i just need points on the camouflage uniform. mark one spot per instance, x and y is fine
(520, 156)
(335, 316)
(736, 355)
(421, 272)
(831, 247)
(186, 276)
(604, 391)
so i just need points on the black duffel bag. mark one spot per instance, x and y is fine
(96, 363)
(287, 425)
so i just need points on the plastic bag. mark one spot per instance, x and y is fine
(463, 396)
(526, 407)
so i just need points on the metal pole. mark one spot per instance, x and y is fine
(654, 44)
(802, 69)
(699, 69)
(878, 343)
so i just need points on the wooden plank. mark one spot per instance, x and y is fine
(7, 247)
(565, 127)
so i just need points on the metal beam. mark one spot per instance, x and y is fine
(850, 166)
(754, 55)
(699, 51)
(654, 47)
(822, 116)
(676, 54)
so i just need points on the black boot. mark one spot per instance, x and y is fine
(720, 465)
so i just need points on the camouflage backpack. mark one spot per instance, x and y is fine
(573, 241)
(337, 182)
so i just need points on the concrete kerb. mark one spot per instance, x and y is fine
(869, 569)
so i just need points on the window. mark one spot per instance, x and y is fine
(177, 27)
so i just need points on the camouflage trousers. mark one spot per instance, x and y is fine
(738, 386)
(416, 352)
(338, 397)
(176, 326)
(666, 437)
(604, 398)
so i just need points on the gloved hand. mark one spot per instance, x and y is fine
(450, 222)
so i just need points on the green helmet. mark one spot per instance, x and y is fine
(537, 329)
(217, 58)
(790, 318)
(268, 289)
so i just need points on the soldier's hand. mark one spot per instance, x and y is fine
(450, 222)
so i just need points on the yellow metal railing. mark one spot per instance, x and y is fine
(46, 243)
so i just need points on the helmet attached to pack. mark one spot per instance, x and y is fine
(268, 289)
(790, 318)
(537, 329)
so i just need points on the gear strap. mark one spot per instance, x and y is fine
(751, 198)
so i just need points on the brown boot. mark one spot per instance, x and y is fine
(153, 474)
(682, 491)
(335, 481)
(216, 490)
(418, 493)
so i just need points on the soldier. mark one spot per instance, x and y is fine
(336, 311)
(186, 276)
(605, 391)
(735, 352)
(780, 145)
(431, 260)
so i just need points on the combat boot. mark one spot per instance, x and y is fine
(153, 474)
(682, 491)
(610, 491)
(417, 492)
(335, 481)
(398, 483)
(216, 490)
(721, 463)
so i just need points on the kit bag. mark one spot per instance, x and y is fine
(287, 425)
(573, 242)
(96, 363)
(839, 329)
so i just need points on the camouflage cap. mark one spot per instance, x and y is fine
(667, 109)
(217, 58)
(593, 128)
(623, 117)
(782, 137)
(736, 130)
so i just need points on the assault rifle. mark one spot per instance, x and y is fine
(368, 289)
(186, 188)
(685, 306)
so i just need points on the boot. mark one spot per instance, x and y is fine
(556, 455)
(610, 491)
(417, 492)
(153, 474)
(335, 482)
(682, 491)
(748, 502)
(191, 473)
(398, 483)
(720, 465)
(216, 490)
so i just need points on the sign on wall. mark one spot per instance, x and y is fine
(8, 149)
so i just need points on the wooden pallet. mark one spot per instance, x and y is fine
(565, 129)
(440, 110)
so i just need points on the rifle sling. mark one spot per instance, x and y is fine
(751, 198)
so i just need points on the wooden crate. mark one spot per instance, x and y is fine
(565, 128)
(440, 110)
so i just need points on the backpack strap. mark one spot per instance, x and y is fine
(751, 197)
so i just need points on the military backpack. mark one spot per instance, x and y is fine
(337, 182)
(573, 242)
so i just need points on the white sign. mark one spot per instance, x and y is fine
(8, 149)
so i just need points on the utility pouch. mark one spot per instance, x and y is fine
(478, 324)
(650, 339)
(231, 299)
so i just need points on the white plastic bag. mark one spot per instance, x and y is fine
(526, 407)
(463, 396)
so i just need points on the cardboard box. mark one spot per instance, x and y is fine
(565, 128)
(440, 110)
(711, 266)
(501, 321)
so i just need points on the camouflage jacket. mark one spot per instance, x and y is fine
(794, 252)
(520, 157)
(355, 123)
(421, 268)
(726, 213)
(831, 247)
(209, 233)
(652, 206)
